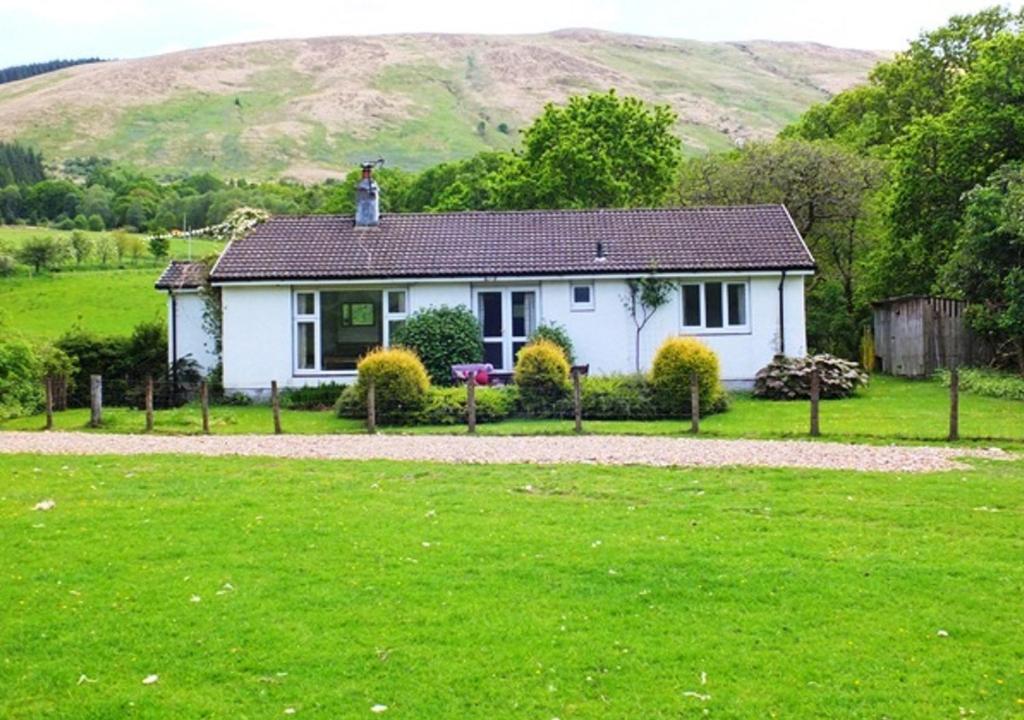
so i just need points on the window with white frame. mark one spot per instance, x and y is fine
(334, 328)
(581, 295)
(715, 306)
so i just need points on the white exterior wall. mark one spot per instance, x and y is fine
(186, 336)
(605, 336)
(259, 326)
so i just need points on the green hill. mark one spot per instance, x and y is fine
(309, 109)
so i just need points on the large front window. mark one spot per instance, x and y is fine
(334, 328)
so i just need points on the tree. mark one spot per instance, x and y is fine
(940, 158)
(987, 264)
(106, 249)
(829, 191)
(159, 247)
(81, 246)
(96, 223)
(598, 150)
(42, 252)
(644, 297)
(918, 82)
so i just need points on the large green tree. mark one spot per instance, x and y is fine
(598, 150)
(829, 191)
(987, 264)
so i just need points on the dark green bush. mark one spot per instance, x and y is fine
(558, 335)
(443, 406)
(442, 336)
(313, 397)
(447, 406)
(618, 397)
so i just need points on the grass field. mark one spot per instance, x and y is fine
(103, 300)
(890, 410)
(108, 302)
(254, 587)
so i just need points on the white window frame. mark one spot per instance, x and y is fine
(577, 306)
(386, 318)
(507, 339)
(726, 328)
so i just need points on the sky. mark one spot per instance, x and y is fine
(36, 30)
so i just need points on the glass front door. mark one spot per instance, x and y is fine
(507, 319)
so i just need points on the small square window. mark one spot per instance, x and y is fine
(305, 304)
(582, 296)
(396, 302)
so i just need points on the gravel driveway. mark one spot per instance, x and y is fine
(600, 449)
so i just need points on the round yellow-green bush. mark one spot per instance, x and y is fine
(542, 376)
(675, 361)
(400, 382)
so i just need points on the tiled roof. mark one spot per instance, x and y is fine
(181, 275)
(540, 242)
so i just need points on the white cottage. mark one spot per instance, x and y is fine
(303, 297)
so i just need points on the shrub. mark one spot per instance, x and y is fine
(786, 378)
(987, 382)
(313, 397)
(557, 334)
(542, 376)
(447, 406)
(443, 406)
(400, 382)
(20, 371)
(675, 361)
(96, 223)
(617, 397)
(442, 336)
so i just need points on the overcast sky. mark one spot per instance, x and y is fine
(34, 30)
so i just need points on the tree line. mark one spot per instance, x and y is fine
(21, 72)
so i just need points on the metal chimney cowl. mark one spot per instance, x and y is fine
(367, 198)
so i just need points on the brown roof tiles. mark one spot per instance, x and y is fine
(536, 242)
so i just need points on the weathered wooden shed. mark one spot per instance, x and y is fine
(915, 335)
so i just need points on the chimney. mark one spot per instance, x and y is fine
(368, 197)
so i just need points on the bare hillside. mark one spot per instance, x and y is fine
(310, 108)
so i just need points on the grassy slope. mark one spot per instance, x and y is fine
(446, 591)
(890, 410)
(106, 301)
(296, 107)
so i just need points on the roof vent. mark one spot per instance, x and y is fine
(600, 256)
(368, 196)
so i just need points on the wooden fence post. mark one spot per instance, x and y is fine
(149, 403)
(577, 399)
(954, 403)
(275, 406)
(204, 401)
(815, 397)
(471, 403)
(49, 402)
(371, 407)
(694, 403)
(95, 400)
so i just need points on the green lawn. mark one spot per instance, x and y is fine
(254, 586)
(108, 302)
(890, 410)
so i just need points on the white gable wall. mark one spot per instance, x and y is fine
(186, 335)
(259, 327)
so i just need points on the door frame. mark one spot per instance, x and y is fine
(507, 339)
